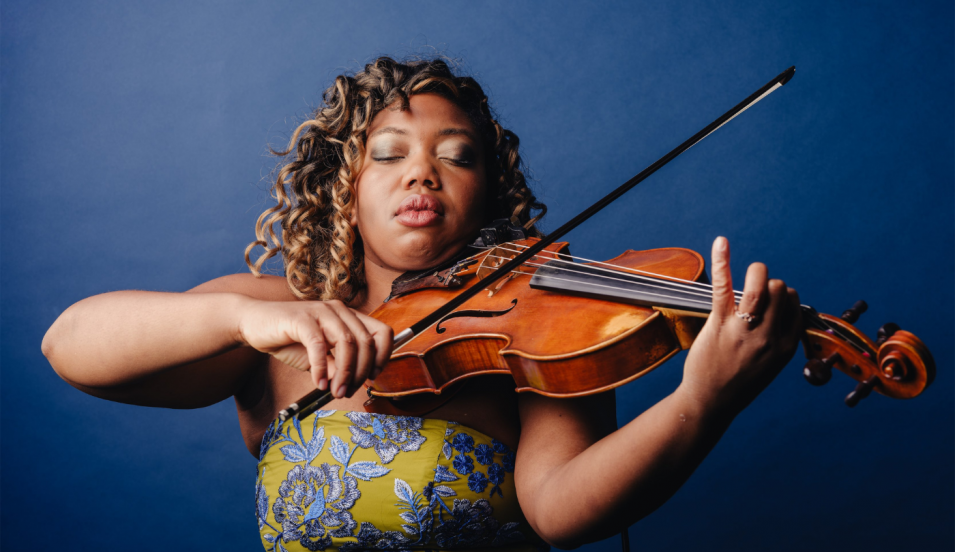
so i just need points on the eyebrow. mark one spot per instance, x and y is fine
(456, 132)
(387, 130)
(445, 132)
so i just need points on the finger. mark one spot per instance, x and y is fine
(723, 299)
(784, 313)
(384, 338)
(312, 338)
(755, 293)
(345, 346)
(787, 320)
(365, 344)
(795, 330)
(320, 374)
(332, 370)
(777, 306)
(294, 355)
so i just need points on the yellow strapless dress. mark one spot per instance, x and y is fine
(355, 481)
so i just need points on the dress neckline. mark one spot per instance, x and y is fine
(276, 425)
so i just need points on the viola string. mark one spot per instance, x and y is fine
(820, 323)
(652, 282)
(617, 288)
(706, 305)
(696, 288)
(663, 283)
(825, 325)
(653, 285)
(613, 266)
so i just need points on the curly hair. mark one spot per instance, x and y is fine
(315, 190)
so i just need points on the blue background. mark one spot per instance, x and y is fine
(134, 156)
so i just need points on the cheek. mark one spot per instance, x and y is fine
(472, 195)
(479, 199)
(363, 218)
(364, 199)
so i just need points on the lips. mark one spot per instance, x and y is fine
(419, 210)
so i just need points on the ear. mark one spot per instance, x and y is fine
(353, 217)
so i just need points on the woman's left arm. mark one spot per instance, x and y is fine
(578, 480)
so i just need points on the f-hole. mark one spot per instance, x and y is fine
(473, 313)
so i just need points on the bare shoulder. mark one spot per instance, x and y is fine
(265, 287)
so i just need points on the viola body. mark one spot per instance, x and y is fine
(561, 344)
(554, 344)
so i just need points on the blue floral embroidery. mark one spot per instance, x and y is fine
(387, 435)
(304, 502)
(463, 464)
(370, 538)
(417, 515)
(442, 475)
(268, 438)
(261, 500)
(304, 451)
(274, 432)
(464, 525)
(473, 525)
(417, 518)
(508, 461)
(495, 474)
(463, 443)
(428, 490)
(446, 446)
(314, 501)
(477, 482)
(484, 454)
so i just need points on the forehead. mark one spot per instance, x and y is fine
(428, 112)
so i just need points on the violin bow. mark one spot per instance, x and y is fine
(317, 398)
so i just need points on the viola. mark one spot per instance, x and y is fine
(565, 329)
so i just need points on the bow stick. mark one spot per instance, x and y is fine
(317, 398)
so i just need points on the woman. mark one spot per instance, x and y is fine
(396, 173)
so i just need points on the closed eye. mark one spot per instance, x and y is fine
(460, 161)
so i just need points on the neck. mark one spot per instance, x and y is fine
(378, 279)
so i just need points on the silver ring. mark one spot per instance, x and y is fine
(746, 317)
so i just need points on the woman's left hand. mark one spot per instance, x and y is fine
(741, 348)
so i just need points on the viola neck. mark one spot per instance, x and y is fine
(622, 287)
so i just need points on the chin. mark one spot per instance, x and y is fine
(422, 251)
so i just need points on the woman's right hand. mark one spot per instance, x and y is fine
(333, 342)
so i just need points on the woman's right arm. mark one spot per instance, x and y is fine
(188, 350)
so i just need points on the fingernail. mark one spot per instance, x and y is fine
(721, 243)
(323, 384)
(342, 389)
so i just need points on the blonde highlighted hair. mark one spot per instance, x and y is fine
(315, 189)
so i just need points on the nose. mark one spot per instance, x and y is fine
(422, 172)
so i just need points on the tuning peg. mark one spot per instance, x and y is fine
(819, 372)
(862, 391)
(886, 332)
(855, 312)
